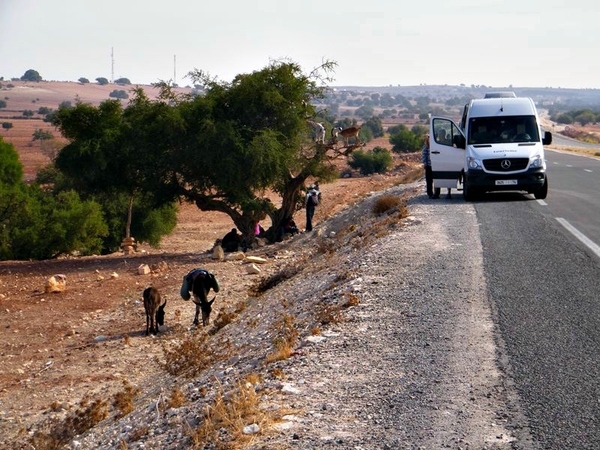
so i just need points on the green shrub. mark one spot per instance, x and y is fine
(377, 161)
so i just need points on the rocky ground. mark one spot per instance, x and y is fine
(63, 351)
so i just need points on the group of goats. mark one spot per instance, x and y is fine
(336, 132)
(199, 282)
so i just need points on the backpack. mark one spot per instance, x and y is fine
(313, 198)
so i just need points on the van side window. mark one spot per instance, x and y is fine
(442, 131)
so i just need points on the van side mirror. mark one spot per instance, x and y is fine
(547, 139)
(459, 141)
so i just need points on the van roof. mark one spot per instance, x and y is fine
(491, 107)
(500, 94)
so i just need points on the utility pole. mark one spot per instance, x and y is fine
(174, 70)
(112, 67)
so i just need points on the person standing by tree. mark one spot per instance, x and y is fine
(312, 200)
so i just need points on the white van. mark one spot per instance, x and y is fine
(498, 146)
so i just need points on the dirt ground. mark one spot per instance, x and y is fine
(49, 355)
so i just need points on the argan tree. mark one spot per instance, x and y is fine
(106, 161)
(249, 137)
(31, 75)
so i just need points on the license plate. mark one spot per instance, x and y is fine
(506, 182)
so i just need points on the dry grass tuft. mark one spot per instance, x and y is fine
(193, 354)
(225, 419)
(56, 434)
(123, 401)
(176, 399)
(266, 283)
(137, 433)
(351, 300)
(326, 246)
(328, 314)
(387, 203)
(286, 338)
(223, 318)
(278, 373)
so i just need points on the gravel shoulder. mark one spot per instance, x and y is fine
(416, 364)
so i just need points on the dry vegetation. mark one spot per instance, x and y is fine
(81, 359)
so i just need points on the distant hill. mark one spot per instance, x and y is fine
(24, 106)
(33, 99)
(543, 96)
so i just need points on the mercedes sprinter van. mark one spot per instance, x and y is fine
(498, 146)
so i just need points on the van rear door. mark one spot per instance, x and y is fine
(447, 147)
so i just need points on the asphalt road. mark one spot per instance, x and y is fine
(544, 286)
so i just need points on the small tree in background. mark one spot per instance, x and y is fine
(7, 125)
(83, 80)
(119, 94)
(122, 81)
(102, 81)
(31, 75)
(404, 140)
(42, 135)
(377, 161)
(2, 104)
(28, 113)
(36, 224)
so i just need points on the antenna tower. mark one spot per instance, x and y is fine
(174, 70)
(112, 67)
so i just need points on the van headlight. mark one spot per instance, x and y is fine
(536, 161)
(474, 163)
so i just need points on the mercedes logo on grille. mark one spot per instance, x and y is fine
(505, 164)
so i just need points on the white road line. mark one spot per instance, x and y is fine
(542, 202)
(588, 170)
(579, 235)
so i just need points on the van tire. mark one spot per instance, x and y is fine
(468, 194)
(542, 193)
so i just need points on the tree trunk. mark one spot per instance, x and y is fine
(129, 215)
(289, 200)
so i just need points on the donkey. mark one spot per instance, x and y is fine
(155, 312)
(200, 282)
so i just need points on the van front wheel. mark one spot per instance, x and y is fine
(542, 193)
(467, 191)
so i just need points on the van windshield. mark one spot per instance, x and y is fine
(495, 130)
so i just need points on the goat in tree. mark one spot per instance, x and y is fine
(349, 132)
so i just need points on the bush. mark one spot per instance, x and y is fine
(118, 94)
(377, 161)
(405, 141)
(41, 135)
(7, 125)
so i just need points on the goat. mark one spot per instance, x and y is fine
(334, 134)
(351, 132)
(155, 312)
(319, 132)
(200, 282)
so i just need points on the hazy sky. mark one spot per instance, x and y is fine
(535, 43)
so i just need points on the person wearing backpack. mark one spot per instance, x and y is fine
(312, 200)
